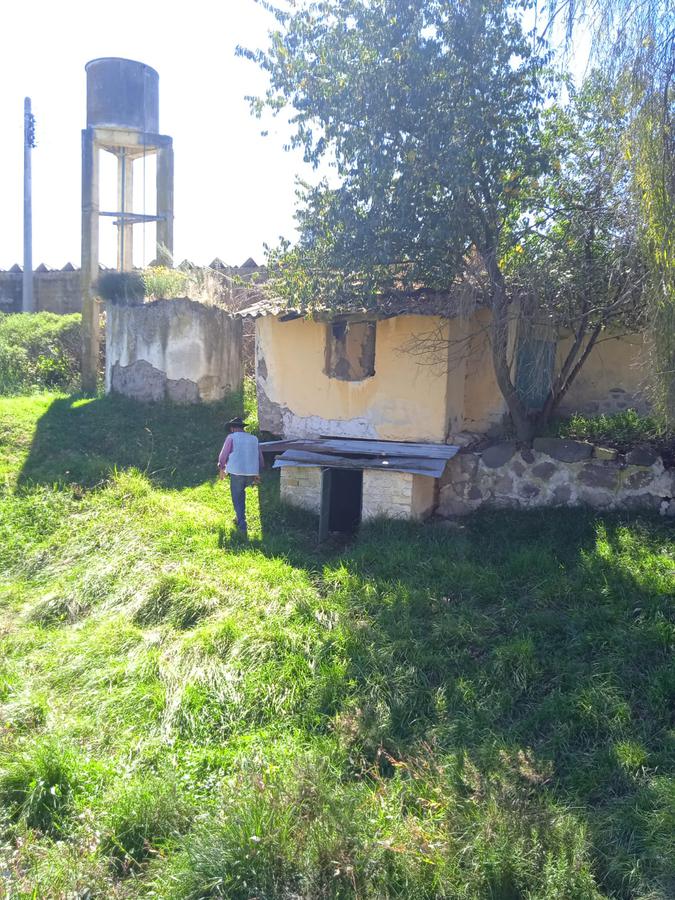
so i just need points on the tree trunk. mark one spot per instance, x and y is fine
(522, 421)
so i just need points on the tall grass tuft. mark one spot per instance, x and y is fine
(38, 785)
(149, 813)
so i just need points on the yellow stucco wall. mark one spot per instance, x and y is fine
(406, 398)
(613, 376)
(423, 496)
(484, 405)
(420, 395)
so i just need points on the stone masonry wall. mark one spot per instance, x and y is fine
(556, 472)
(395, 495)
(178, 350)
(386, 494)
(301, 486)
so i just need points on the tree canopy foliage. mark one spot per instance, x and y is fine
(444, 125)
(635, 43)
(431, 114)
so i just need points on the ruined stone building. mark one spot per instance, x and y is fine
(414, 373)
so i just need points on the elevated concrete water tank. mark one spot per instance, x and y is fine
(122, 93)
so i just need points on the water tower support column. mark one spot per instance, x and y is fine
(165, 202)
(89, 273)
(125, 204)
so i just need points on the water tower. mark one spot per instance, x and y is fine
(122, 119)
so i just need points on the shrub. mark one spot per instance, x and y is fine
(162, 283)
(124, 288)
(623, 429)
(39, 350)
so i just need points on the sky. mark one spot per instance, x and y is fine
(234, 188)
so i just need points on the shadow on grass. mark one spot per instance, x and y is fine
(82, 440)
(538, 643)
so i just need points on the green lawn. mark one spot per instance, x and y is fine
(478, 711)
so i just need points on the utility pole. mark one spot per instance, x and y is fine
(28, 144)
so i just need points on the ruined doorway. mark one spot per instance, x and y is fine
(341, 499)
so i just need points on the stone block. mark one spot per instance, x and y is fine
(544, 470)
(599, 475)
(642, 501)
(504, 485)
(604, 453)
(518, 468)
(474, 493)
(182, 390)
(464, 439)
(452, 507)
(468, 463)
(527, 455)
(638, 480)
(505, 502)
(563, 449)
(499, 454)
(596, 498)
(529, 491)
(562, 494)
(641, 456)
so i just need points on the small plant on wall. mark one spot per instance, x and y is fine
(163, 283)
(123, 288)
(133, 288)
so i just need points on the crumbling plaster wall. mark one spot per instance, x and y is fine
(612, 379)
(179, 350)
(420, 395)
(404, 400)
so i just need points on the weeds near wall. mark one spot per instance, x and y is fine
(39, 350)
(163, 283)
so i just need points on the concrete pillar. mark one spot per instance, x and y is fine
(125, 203)
(89, 273)
(164, 251)
(28, 299)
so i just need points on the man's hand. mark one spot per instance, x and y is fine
(221, 474)
(256, 479)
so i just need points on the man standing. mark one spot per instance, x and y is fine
(241, 458)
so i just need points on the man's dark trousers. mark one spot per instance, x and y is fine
(238, 485)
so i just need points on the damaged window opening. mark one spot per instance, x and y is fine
(350, 350)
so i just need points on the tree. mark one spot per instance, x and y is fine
(578, 267)
(432, 112)
(634, 41)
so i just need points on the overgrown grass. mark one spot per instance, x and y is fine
(38, 350)
(482, 711)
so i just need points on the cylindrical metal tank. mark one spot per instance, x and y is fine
(122, 93)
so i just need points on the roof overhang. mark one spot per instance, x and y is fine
(353, 453)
